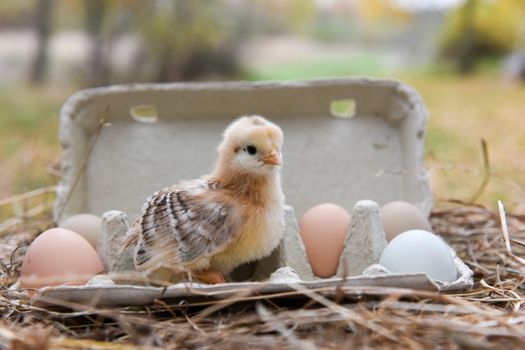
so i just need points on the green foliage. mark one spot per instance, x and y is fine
(300, 13)
(181, 26)
(188, 39)
(482, 28)
(328, 29)
(356, 65)
(15, 13)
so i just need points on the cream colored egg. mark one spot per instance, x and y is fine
(59, 256)
(86, 225)
(401, 216)
(323, 230)
(418, 251)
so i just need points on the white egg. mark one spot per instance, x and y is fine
(418, 251)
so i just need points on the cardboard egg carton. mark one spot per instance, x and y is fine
(345, 140)
(363, 246)
(286, 270)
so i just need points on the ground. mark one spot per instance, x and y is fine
(487, 316)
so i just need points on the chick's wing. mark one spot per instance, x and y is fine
(180, 225)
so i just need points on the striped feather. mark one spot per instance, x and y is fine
(180, 225)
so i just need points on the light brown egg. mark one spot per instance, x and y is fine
(402, 216)
(59, 256)
(86, 225)
(324, 229)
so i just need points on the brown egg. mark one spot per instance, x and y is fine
(324, 229)
(59, 256)
(401, 216)
(86, 225)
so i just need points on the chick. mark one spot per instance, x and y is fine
(211, 225)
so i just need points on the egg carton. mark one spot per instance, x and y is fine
(286, 269)
(363, 246)
(344, 140)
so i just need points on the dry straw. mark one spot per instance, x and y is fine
(488, 316)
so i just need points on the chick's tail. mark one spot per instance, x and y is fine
(132, 238)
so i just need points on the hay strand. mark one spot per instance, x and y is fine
(490, 315)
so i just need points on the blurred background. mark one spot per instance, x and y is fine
(466, 58)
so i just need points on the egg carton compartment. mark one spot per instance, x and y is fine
(344, 140)
(364, 244)
(285, 270)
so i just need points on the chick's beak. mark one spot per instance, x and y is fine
(274, 158)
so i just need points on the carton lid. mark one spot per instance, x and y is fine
(344, 140)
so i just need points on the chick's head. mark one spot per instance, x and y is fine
(252, 144)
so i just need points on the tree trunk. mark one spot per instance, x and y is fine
(43, 31)
(98, 68)
(171, 60)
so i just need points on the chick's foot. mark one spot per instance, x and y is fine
(208, 276)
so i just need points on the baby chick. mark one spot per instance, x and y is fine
(211, 225)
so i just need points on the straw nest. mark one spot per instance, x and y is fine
(490, 315)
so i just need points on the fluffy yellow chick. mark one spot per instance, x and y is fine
(213, 224)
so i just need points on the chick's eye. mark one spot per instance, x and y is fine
(251, 149)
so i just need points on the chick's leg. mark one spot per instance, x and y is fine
(208, 276)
